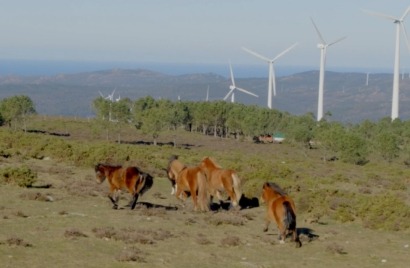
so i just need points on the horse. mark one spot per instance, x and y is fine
(188, 180)
(173, 170)
(131, 178)
(281, 209)
(222, 180)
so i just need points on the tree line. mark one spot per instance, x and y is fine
(351, 143)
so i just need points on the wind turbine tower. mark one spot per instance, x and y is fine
(323, 47)
(272, 78)
(396, 73)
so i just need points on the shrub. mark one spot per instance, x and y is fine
(22, 176)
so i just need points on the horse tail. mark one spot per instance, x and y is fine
(289, 217)
(202, 191)
(146, 183)
(237, 186)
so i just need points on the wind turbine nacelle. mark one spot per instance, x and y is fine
(231, 87)
(321, 46)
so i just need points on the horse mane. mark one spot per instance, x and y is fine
(96, 167)
(172, 159)
(210, 159)
(276, 188)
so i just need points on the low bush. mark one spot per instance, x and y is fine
(21, 176)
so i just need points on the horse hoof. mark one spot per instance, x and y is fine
(282, 242)
(115, 207)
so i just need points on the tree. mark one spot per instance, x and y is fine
(17, 109)
(102, 108)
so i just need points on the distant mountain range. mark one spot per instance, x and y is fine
(347, 96)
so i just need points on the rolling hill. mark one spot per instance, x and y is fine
(347, 97)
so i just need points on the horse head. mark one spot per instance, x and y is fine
(99, 172)
(209, 163)
(271, 191)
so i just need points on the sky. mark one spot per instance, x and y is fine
(202, 31)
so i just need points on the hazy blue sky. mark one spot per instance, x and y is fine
(200, 31)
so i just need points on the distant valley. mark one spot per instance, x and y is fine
(347, 97)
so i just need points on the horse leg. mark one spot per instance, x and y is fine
(295, 238)
(192, 188)
(134, 200)
(178, 194)
(267, 222)
(282, 233)
(114, 199)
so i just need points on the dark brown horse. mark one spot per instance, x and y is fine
(281, 209)
(190, 180)
(130, 178)
(222, 180)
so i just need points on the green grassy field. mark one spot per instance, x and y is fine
(348, 216)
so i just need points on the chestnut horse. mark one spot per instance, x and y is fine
(130, 178)
(281, 209)
(220, 180)
(188, 179)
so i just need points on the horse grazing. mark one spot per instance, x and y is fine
(281, 209)
(188, 179)
(131, 178)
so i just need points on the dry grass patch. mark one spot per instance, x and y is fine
(74, 233)
(131, 235)
(225, 218)
(203, 240)
(16, 241)
(85, 187)
(37, 196)
(20, 214)
(335, 248)
(231, 241)
(104, 232)
(132, 255)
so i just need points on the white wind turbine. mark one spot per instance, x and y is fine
(323, 47)
(399, 24)
(233, 87)
(272, 78)
(111, 96)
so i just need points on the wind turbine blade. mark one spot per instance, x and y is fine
(256, 54)
(232, 79)
(405, 36)
(247, 92)
(381, 15)
(229, 93)
(338, 40)
(285, 51)
(101, 94)
(405, 13)
(318, 32)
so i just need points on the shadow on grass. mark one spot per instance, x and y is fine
(155, 206)
(307, 234)
(244, 203)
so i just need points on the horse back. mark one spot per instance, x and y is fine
(189, 177)
(130, 176)
(282, 209)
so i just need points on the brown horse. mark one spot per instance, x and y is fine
(190, 180)
(281, 209)
(130, 178)
(220, 180)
